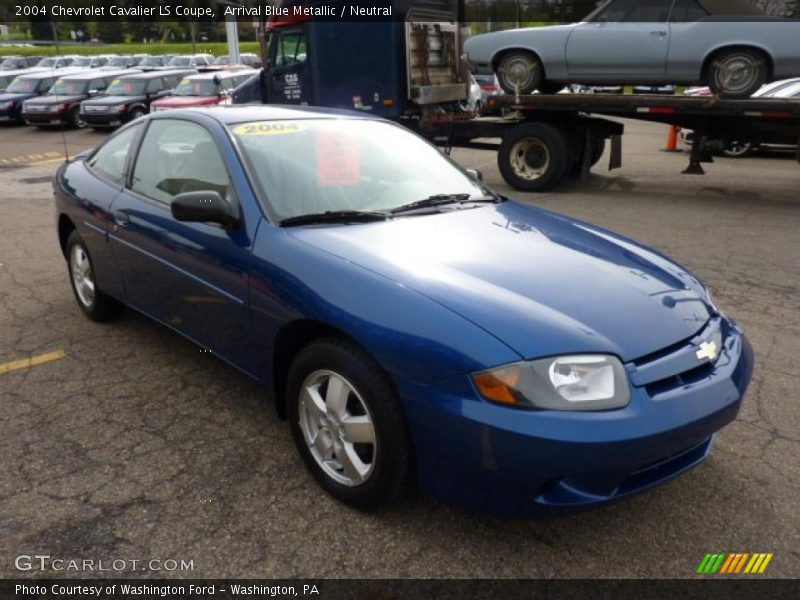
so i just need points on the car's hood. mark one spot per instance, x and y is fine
(5, 97)
(541, 283)
(113, 100)
(181, 101)
(47, 100)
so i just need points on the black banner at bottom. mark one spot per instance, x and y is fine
(397, 589)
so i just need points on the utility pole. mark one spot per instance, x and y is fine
(232, 32)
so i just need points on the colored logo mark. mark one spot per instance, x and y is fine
(734, 563)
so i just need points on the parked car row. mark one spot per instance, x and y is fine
(105, 91)
(143, 62)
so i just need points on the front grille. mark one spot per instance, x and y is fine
(678, 365)
(95, 109)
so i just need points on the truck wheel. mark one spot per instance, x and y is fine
(519, 68)
(737, 74)
(534, 157)
(598, 149)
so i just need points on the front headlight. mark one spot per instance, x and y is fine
(6, 105)
(120, 108)
(579, 382)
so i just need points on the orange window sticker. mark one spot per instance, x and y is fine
(338, 159)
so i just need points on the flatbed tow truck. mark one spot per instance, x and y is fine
(410, 70)
(541, 139)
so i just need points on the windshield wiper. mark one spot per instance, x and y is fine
(336, 216)
(440, 200)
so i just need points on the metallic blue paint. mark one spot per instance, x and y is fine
(434, 298)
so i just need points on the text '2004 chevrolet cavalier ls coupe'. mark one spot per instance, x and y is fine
(729, 45)
(414, 327)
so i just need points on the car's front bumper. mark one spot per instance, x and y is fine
(525, 463)
(107, 119)
(45, 117)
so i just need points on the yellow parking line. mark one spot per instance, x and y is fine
(26, 363)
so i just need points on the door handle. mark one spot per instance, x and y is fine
(659, 33)
(120, 218)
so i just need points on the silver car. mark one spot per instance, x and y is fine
(727, 44)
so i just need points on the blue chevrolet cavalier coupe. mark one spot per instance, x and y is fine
(414, 327)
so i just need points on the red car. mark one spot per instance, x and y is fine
(204, 89)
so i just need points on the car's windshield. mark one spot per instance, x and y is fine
(180, 61)
(120, 61)
(9, 64)
(126, 87)
(197, 87)
(83, 61)
(221, 60)
(151, 61)
(320, 165)
(22, 86)
(69, 87)
(48, 63)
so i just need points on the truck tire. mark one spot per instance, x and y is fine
(737, 74)
(534, 157)
(598, 149)
(522, 68)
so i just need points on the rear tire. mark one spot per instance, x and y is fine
(137, 113)
(348, 424)
(737, 74)
(95, 304)
(534, 157)
(519, 68)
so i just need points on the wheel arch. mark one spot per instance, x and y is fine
(65, 228)
(290, 339)
(727, 47)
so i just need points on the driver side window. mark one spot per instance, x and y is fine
(176, 157)
(291, 48)
(636, 11)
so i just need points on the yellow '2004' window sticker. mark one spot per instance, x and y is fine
(268, 128)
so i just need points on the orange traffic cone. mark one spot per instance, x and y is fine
(672, 140)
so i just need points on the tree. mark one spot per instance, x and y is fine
(110, 32)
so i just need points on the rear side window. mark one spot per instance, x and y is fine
(687, 11)
(110, 160)
(98, 84)
(155, 85)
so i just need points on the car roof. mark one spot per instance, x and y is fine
(154, 74)
(221, 74)
(228, 115)
(96, 74)
(44, 73)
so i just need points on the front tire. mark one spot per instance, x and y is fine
(348, 425)
(95, 304)
(737, 74)
(534, 157)
(137, 113)
(75, 119)
(737, 149)
(519, 68)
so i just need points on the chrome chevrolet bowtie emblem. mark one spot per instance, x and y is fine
(707, 350)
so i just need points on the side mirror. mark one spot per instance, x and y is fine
(95, 92)
(475, 174)
(203, 207)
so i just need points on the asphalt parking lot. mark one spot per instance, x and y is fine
(129, 443)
